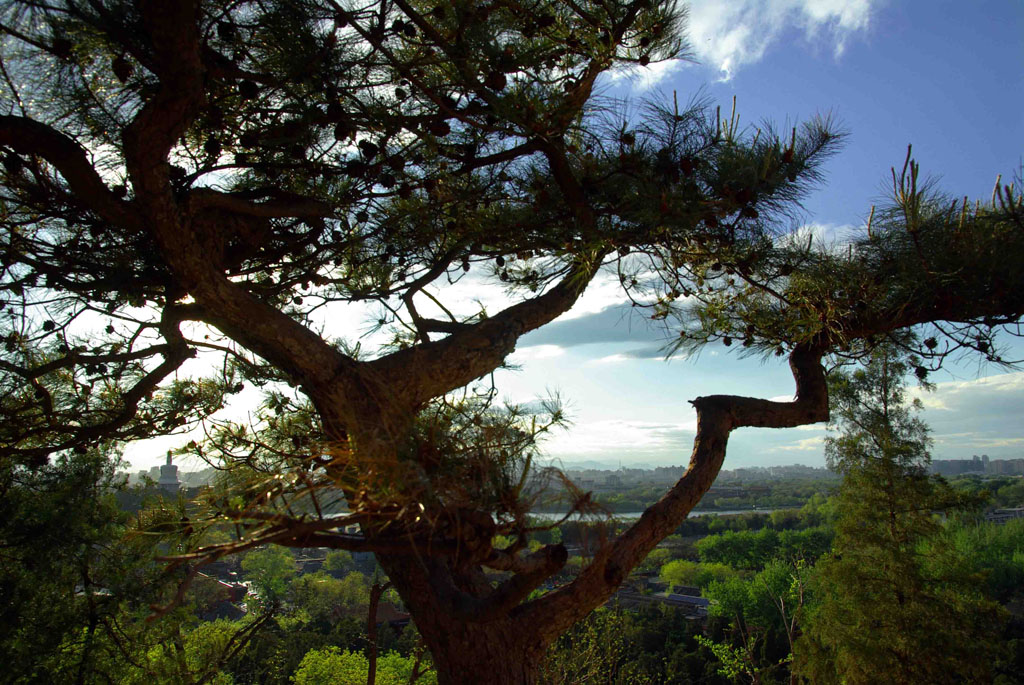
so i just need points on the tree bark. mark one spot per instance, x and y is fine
(479, 630)
(498, 650)
(371, 630)
(498, 653)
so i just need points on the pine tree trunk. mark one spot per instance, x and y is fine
(500, 650)
(491, 653)
(479, 628)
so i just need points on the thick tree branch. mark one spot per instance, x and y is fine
(432, 369)
(30, 137)
(278, 207)
(328, 375)
(535, 568)
(495, 604)
(438, 326)
(717, 416)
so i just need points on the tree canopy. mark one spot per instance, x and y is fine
(191, 189)
(894, 601)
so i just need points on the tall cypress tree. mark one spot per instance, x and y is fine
(893, 604)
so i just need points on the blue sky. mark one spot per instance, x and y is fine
(943, 75)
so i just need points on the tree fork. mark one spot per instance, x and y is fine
(509, 646)
(500, 651)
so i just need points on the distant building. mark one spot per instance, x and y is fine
(1001, 516)
(976, 464)
(692, 606)
(388, 613)
(168, 480)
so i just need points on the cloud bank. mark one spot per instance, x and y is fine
(976, 416)
(628, 439)
(727, 35)
(615, 323)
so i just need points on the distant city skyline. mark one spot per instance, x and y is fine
(975, 464)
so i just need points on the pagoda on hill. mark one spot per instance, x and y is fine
(169, 477)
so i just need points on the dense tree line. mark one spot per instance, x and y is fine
(773, 495)
(313, 625)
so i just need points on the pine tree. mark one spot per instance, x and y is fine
(205, 179)
(893, 603)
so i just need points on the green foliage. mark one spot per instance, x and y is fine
(193, 656)
(338, 561)
(58, 525)
(892, 601)
(1009, 494)
(752, 550)
(753, 601)
(551, 536)
(333, 666)
(818, 510)
(681, 572)
(761, 612)
(269, 569)
(996, 552)
(738, 664)
(1000, 491)
(276, 652)
(766, 495)
(595, 650)
(646, 646)
(655, 559)
(323, 598)
(76, 599)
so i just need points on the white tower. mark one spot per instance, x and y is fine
(169, 476)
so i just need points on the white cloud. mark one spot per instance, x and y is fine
(536, 352)
(976, 415)
(602, 292)
(823, 236)
(815, 444)
(729, 34)
(621, 437)
(965, 396)
(934, 403)
(610, 359)
(645, 78)
(1003, 383)
(998, 442)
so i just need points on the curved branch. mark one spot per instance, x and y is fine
(500, 560)
(30, 137)
(717, 416)
(543, 563)
(175, 354)
(285, 205)
(147, 141)
(473, 350)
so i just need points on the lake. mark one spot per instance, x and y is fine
(632, 515)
